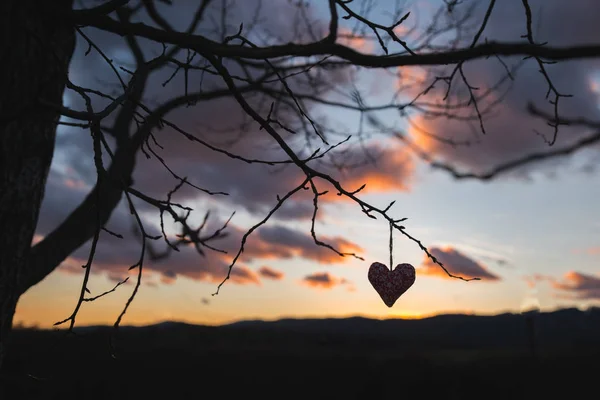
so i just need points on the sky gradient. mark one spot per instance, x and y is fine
(532, 236)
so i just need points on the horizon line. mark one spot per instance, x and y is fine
(20, 326)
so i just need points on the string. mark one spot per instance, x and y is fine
(391, 246)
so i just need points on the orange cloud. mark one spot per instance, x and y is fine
(534, 279)
(412, 80)
(423, 133)
(323, 280)
(451, 133)
(456, 263)
(594, 85)
(578, 285)
(76, 183)
(168, 277)
(347, 38)
(270, 273)
(381, 167)
(593, 251)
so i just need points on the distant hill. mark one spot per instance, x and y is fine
(566, 329)
(454, 356)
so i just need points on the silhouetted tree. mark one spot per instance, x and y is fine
(276, 80)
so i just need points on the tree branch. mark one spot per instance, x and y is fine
(79, 226)
(202, 44)
(528, 159)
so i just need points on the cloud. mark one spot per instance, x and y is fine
(168, 277)
(222, 123)
(251, 186)
(323, 280)
(278, 241)
(270, 273)
(118, 278)
(114, 255)
(383, 166)
(456, 263)
(533, 280)
(255, 187)
(578, 286)
(589, 251)
(593, 251)
(59, 201)
(355, 41)
(218, 122)
(297, 209)
(510, 130)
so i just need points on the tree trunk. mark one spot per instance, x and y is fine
(35, 50)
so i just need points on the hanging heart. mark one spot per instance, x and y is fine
(391, 284)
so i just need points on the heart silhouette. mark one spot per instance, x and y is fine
(391, 284)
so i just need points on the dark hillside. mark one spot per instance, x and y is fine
(455, 356)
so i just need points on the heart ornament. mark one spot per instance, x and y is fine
(391, 284)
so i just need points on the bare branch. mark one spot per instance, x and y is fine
(201, 44)
(367, 208)
(280, 202)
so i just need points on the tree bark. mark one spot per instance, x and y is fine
(35, 49)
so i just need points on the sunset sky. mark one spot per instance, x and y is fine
(532, 236)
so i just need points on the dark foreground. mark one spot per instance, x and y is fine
(536, 356)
